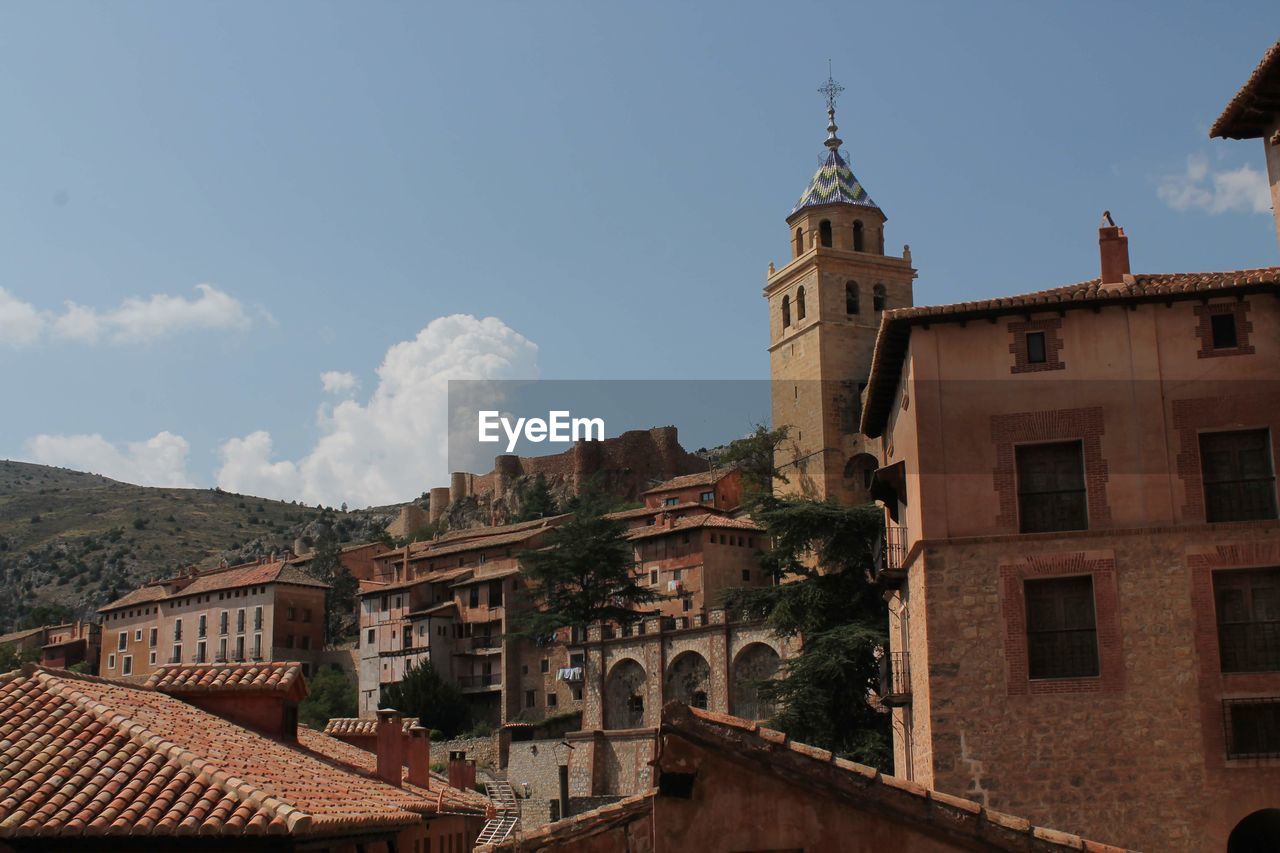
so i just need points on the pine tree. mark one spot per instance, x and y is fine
(422, 693)
(330, 694)
(534, 499)
(340, 602)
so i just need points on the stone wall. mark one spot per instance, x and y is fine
(483, 750)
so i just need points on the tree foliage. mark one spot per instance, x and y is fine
(584, 575)
(534, 499)
(754, 456)
(822, 694)
(12, 657)
(46, 614)
(340, 601)
(331, 695)
(437, 703)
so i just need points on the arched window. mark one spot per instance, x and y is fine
(824, 232)
(857, 235)
(877, 298)
(786, 311)
(800, 303)
(851, 297)
(799, 242)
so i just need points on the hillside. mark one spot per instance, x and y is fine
(79, 540)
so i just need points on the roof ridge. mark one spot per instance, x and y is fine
(294, 818)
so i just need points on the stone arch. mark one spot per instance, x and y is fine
(1257, 833)
(755, 663)
(689, 680)
(800, 302)
(624, 694)
(858, 472)
(786, 311)
(824, 233)
(799, 242)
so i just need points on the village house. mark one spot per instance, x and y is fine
(1085, 604)
(58, 646)
(261, 611)
(210, 758)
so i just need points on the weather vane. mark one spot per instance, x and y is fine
(831, 89)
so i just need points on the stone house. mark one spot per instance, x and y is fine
(58, 646)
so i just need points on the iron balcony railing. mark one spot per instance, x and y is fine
(1252, 727)
(486, 642)
(890, 567)
(895, 679)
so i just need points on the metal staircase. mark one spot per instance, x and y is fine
(506, 817)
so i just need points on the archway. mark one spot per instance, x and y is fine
(1257, 833)
(858, 473)
(689, 680)
(624, 692)
(756, 663)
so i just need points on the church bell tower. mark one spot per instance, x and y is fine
(825, 306)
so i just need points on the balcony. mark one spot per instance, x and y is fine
(895, 679)
(890, 569)
(1252, 727)
(486, 681)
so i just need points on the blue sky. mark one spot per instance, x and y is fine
(607, 181)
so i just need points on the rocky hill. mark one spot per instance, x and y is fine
(80, 540)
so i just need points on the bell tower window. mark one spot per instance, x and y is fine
(800, 303)
(857, 238)
(877, 297)
(786, 311)
(851, 297)
(824, 232)
(799, 243)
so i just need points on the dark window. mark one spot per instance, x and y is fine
(369, 638)
(1036, 353)
(495, 593)
(1051, 491)
(799, 242)
(1248, 607)
(857, 241)
(474, 596)
(708, 497)
(152, 637)
(1224, 331)
(800, 303)
(670, 501)
(851, 297)
(746, 574)
(1062, 637)
(529, 698)
(1253, 727)
(686, 604)
(546, 665)
(824, 232)
(786, 311)
(877, 297)
(551, 700)
(1239, 482)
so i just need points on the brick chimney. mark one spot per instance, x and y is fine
(462, 772)
(390, 747)
(420, 757)
(1113, 248)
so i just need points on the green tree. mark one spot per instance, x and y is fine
(46, 614)
(754, 455)
(822, 694)
(585, 575)
(340, 602)
(12, 657)
(331, 694)
(438, 704)
(534, 499)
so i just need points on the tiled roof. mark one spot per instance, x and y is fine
(578, 827)
(1246, 113)
(494, 541)
(474, 532)
(436, 608)
(895, 325)
(5, 639)
(267, 677)
(688, 481)
(84, 756)
(692, 522)
(361, 727)
(148, 594)
(833, 183)
(214, 580)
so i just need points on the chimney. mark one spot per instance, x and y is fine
(420, 757)
(1113, 247)
(462, 773)
(390, 747)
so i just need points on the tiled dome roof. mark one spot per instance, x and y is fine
(834, 183)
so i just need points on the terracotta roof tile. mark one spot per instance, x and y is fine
(214, 580)
(360, 726)
(693, 522)
(1236, 121)
(688, 481)
(578, 826)
(84, 756)
(269, 676)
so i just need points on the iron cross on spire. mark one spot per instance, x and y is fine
(831, 89)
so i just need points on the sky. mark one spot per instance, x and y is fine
(247, 245)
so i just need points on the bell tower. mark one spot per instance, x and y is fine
(825, 306)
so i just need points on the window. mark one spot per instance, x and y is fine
(177, 629)
(824, 235)
(153, 638)
(552, 701)
(800, 303)
(1037, 352)
(686, 604)
(200, 651)
(799, 242)
(676, 574)
(137, 635)
(292, 613)
(786, 311)
(240, 621)
(1223, 330)
(530, 698)
(858, 240)
(707, 497)
(746, 574)
(202, 626)
(111, 661)
(368, 641)
(851, 297)
(877, 297)
(474, 596)
(222, 649)
(306, 614)
(495, 593)
(177, 655)
(124, 641)
(1051, 488)
(653, 577)
(1239, 481)
(670, 501)
(151, 659)
(1253, 727)
(1062, 636)
(239, 648)
(1248, 609)
(224, 622)
(546, 665)
(257, 618)
(288, 641)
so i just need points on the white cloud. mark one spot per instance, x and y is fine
(1242, 190)
(20, 323)
(339, 382)
(393, 446)
(159, 461)
(157, 316)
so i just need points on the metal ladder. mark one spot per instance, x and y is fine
(500, 827)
